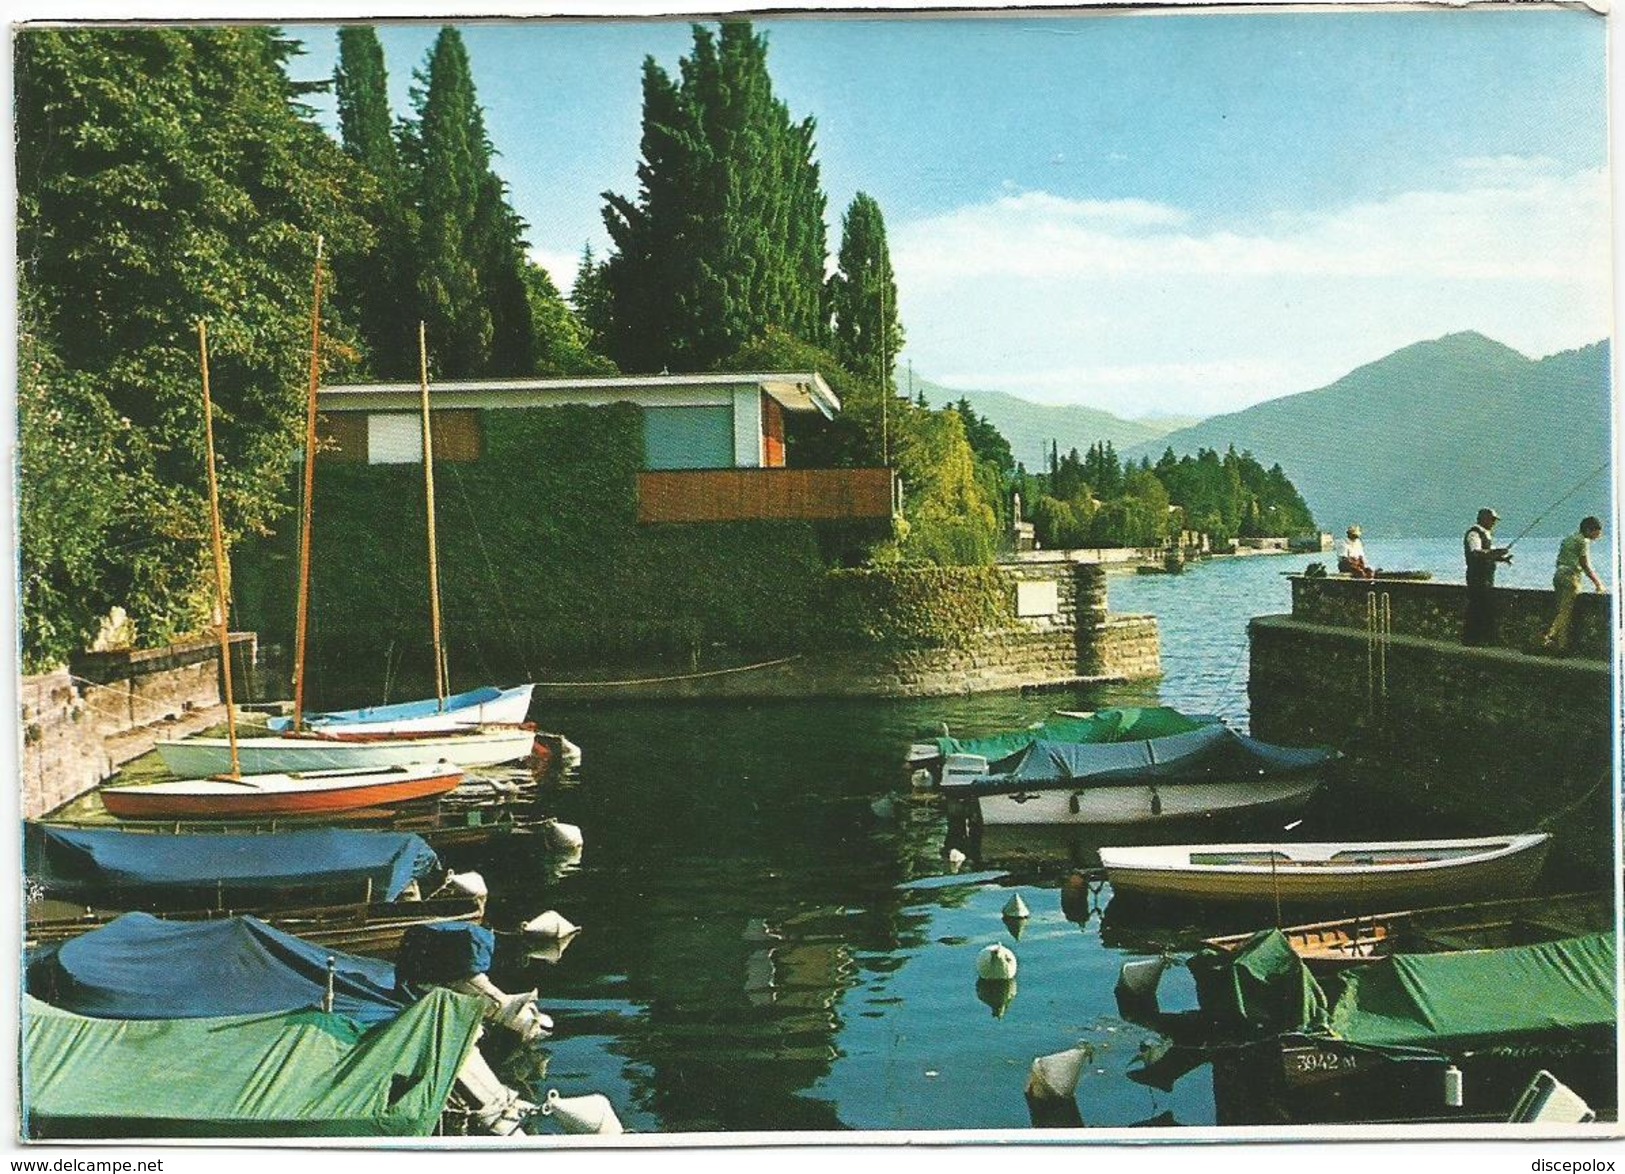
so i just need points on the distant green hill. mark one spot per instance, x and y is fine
(1413, 444)
(1029, 426)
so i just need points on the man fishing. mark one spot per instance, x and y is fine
(1480, 625)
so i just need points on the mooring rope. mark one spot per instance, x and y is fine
(744, 668)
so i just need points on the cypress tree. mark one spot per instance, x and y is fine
(867, 333)
(451, 181)
(379, 283)
(726, 237)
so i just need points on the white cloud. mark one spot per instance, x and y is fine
(561, 267)
(1128, 305)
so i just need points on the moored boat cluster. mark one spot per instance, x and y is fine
(1448, 995)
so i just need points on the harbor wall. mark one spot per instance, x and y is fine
(1478, 740)
(1041, 627)
(81, 723)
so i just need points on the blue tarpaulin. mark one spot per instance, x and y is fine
(142, 967)
(76, 860)
(1213, 752)
(445, 952)
(399, 711)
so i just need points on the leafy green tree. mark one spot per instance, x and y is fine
(560, 341)
(866, 330)
(590, 299)
(164, 175)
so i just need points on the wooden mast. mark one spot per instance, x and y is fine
(310, 489)
(428, 483)
(219, 551)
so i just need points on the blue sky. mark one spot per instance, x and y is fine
(1151, 213)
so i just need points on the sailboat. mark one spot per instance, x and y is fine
(411, 734)
(230, 793)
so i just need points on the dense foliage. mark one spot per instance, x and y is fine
(1095, 500)
(725, 237)
(866, 333)
(163, 176)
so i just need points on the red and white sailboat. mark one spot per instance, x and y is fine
(342, 747)
(229, 793)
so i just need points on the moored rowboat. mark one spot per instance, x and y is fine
(1518, 921)
(262, 795)
(1390, 872)
(303, 753)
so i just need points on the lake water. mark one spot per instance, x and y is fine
(752, 954)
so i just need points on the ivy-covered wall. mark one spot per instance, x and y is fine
(543, 567)
(907, 608)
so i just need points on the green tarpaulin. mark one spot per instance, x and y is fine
(296, 1074)
(1263, 986)
(1480, 996)
(1109, 725)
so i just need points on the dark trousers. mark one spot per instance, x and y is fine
(1480, 625)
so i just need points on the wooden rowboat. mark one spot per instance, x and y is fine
(1522, 921)
(1373, 875)
(373, 928)
(259, 796)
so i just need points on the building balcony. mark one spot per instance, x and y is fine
(765, 495)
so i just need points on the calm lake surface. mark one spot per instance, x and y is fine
(757, 953)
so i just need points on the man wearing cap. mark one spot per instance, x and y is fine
(1351, 559)
(1482, 554)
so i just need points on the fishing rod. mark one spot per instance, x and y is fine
(1572, 491)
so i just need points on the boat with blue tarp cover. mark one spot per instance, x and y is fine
(143, 967)
(354, 890)
(83, 860)
(1128, 723)
(1203, 771)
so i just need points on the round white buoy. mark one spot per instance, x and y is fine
(996, 964)
(564, 837)
(551, 924)
(1016, 908)
(955, 857)
(589, 1114)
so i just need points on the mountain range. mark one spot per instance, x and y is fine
(1413, 444)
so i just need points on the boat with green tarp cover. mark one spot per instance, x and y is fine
(297, 1074)
(1128, 724)
(1377, 1041)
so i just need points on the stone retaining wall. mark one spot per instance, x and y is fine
(80, 724)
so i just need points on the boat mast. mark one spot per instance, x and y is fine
(310, 489)
(219, 550)
(428, 484)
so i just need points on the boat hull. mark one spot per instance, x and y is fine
(465, 711)
(1105, 806)
(258, 796)
(302, 754)
(1434, 872)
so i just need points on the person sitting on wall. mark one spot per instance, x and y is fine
(1351, 557)
(1573, 560)
(1479, 626)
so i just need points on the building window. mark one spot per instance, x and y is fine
(688, 438)
(396, 438)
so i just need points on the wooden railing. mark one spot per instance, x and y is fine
(757, 495)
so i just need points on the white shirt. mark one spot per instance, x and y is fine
(1353, 548)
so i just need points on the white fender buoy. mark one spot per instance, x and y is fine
(564, 837)
(955, 858)
(1055, 1077)
(470, 884)
(1016, 909)
(589, 1114)
(920, 779)
(1139, 977)
(551, 924)
(996, 964)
